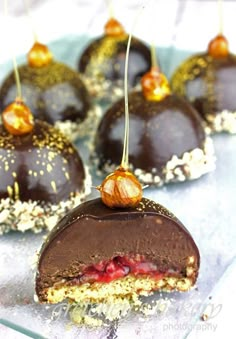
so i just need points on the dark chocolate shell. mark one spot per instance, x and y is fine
(55, 93)
(92, 233)
(40, 171)
(166, 140)
(208, 83)
(103, 64)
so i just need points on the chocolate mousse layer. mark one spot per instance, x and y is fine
(92, 233)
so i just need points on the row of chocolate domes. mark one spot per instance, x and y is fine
(56, 94)
(42, 176)
(168, 141)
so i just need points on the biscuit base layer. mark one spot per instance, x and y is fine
(126, 287)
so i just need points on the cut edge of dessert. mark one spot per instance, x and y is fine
(120, 277)
(116, 247)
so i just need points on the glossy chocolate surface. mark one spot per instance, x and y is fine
(208, 83)
(40, 166)
(105, 58)
(92, 232)
(54, 92)
(158, 130)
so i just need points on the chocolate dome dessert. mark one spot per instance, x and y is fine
(98, 254)
(116, 248)
(54, 92)
(42, 174)
(208, 80)
(102, 63)
(167, 140)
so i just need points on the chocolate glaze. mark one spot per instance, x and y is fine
(158, 130)
(209, 85)
(54, 92)
(105, 57)
(40, 166)
(92, 232)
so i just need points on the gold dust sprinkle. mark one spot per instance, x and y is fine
(10, 191)
(16, 188)
(49, 168)
(106, 48)
(54, 187)
(44, 136)
(189, 69)
(70, 150)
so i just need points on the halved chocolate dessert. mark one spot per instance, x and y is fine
(168, 142)
(102, 63)
(98, 254)
(117, 247)
(208, 81)
(54, 92)
(42, 174)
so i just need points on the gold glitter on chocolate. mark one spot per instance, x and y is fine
(208, 84)
(53, 92)
(188, 71)
(106, 48)
(42, 165)
(104, 59)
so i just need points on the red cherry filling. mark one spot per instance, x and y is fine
(118, 267)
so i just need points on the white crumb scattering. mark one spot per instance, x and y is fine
(192, 165)
(24, 223)
(75, 130)
(51, 222)
(105, 90)
(224, 121)
(35, 215)
(204, 317)
(4, 215)
(33, 260)
(36, 299)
